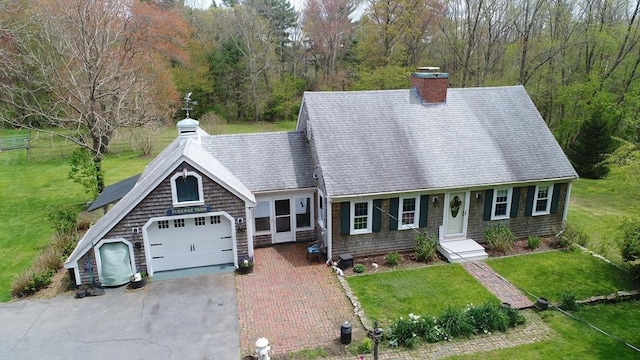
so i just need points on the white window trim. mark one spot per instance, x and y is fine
(322, 213)
(547, 211)
(352, 213)
(416, 216)
(311, 206)
(493, 205)
(174, 191)
(272, 212)
(271, 216)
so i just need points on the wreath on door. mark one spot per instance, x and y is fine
(454, 204)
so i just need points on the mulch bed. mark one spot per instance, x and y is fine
(408, 260)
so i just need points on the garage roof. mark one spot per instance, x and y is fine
(113, 193)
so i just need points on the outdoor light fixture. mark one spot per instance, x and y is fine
(435, 200)
(479, 195)
(184, 173)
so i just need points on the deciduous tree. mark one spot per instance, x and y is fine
(82, 69)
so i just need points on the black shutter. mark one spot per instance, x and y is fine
(555, 198)
(377, 216)
(424, 210)
(345, 218)
(515, 201)
(531, 191)
(488, 204)
(393, 210)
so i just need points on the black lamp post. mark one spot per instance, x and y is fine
(377, 335)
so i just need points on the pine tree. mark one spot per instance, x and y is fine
(588, 152)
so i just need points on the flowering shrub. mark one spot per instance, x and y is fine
(452, 323)
(245, 262)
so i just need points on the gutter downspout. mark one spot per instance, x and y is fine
(566, 205)
(329, 224)
(249, 225)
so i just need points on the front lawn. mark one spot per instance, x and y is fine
(551, 274)
(387, 296)
(576, 340)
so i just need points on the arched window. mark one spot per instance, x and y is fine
(186, 189)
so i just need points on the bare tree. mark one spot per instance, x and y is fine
(83, 68)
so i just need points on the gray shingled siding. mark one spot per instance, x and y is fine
(387, 241)
(156, 204)
(261, 240)
(522, 226)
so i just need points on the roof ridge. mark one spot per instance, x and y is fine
(256, 134)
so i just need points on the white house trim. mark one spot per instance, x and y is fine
(416, 215)
(147, 247)
(96, 253)
(174, 190)
(507, 213)
(352, 214)
(549, 198)
(565, 211)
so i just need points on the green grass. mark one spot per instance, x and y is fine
(551, 274)
(575, 340)
(387, 296)
(28, 192)
(600, 207)
(30, 189)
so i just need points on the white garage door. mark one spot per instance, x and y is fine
(180, 243)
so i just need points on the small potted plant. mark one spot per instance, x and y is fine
(245, 265)
(138, 280)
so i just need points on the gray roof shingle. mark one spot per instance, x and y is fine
(386, 141)
(265, 161)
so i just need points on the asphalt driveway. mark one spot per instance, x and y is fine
(192, 318)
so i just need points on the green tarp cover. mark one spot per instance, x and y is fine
(115, 264)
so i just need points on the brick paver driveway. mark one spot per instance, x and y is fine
(296, 304)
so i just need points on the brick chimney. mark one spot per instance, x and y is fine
(431, 84)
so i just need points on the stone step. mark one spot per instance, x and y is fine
(457, 251)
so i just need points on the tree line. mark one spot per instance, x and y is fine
(573, 56)
(89, 67)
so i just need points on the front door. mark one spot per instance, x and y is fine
(283, 219)
(455, 215)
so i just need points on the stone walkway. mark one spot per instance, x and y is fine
(497, 285)
(296, 304)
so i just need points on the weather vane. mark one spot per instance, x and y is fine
(188, 104)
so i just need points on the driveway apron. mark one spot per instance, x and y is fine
(293, 302)
(192, 318)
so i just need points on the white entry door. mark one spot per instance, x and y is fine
(284, 221)
(455, 215)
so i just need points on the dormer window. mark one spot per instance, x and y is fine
(186, 189)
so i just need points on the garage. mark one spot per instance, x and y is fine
(187, 242)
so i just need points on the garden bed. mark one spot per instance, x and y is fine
(520, 247)
(407, 260)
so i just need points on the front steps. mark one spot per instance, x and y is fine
(458, 251)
